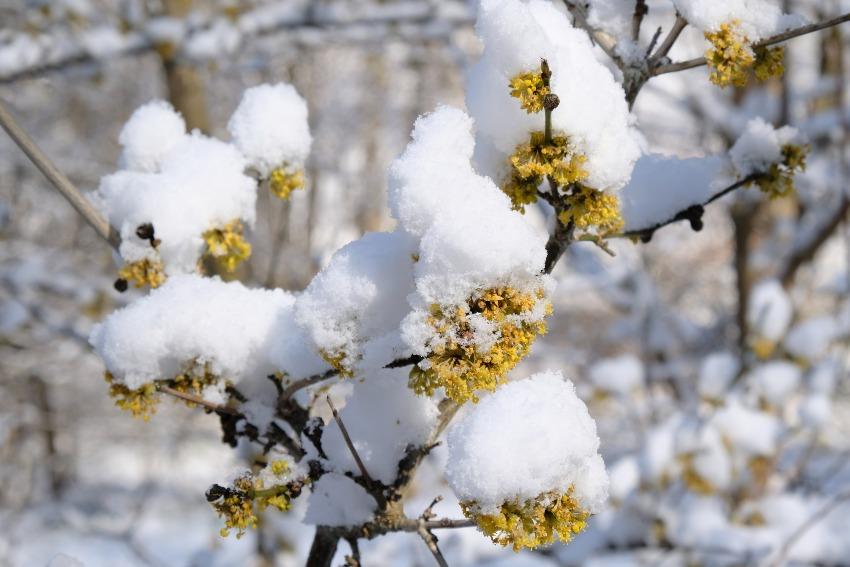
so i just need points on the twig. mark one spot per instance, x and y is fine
(363, 472)
(641, 9)
(602, 39)
(197, 400)
(807, 525)
(805, 252)
(58, 179)
(778, 38)
(431, 541)
(669, 41)
(290, 389)
(692, 213)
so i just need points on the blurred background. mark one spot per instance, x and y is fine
(79, 477)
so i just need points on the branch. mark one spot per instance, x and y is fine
(669, 41)
(641, 10)
(347, 438)
(601, 39)
(431, 541)
(217, 408)
(807, 250)
(693, 213)
(808, 524)
(778, 38)
(58, 179)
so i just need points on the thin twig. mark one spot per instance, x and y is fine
(431, 541)
(347, 438)
(197, 400)
(641, 10)
(602, 39)
(670, 40)
(808, 249)
(58, 179)
(778, 38)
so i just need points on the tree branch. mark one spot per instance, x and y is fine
(778, 38)
(347, 438)
(801, 254)
(601, 39)
(669, 41)
(217, 408)
(58, 179)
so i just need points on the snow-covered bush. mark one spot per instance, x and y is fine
(338, 393)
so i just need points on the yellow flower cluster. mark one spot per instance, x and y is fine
(457, 364)
(143, 272)
(587, 207)
(238, 505)
(531, 523)
(192, 382)
(282, 182)
(779, 179)
(227, 246)
(140, 402)
(536, 159)
(337, 361)
(530, 89)
(732, 57)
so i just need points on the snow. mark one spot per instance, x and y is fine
(775, 381)
(758, 18)
(770, 310)
(809, 340)
(661, 186)
(716, 374)
(240, 332)
(358, 300)
(531, 436)
(383, 416)
(815, 410)
(621, 375)
(750, 431)
(336, 500)
(760, 146)
(150, 134)
(270, 127)
(592, 112)
(63, 560)
(200, 185)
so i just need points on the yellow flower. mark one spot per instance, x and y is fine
(770, 62)
(530, 89)
(587, 207)
(730, 56)
(283, 182)
(227, 246)
(140, 402)
(778, 181)
(531, 523)
(143, 272)
(339, 361)
(238, 504)
(460, 366)
(532, 161)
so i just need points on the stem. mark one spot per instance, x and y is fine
(58, 179)
(347, 438)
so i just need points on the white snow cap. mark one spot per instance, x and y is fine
(469, 237)
(758, 18)
(760, 146)
(621, 374)
(593, 113)
(770, 310)
(336, 500)
(530, 437)
(811, 339)
(753, 432)
(383, 416)
(241, 333)
(716, 374)
(775, 381)
(200, 185)
(270, 127)
(358, 300)
(149, 135)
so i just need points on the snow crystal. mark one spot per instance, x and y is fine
(760, 146)
(383, 416)
(336, 500)
(149, 135)
(770, 310)
(621, 375)
(531, 436)
(662, 186)
(592, 112)
(758, 18)
(239, 332)
(358, 300)
(717, 372)
(270, 127)
(612, 16)
(751, 431)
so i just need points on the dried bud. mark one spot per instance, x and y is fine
(551, 102)
(145, 231)
(120, 285)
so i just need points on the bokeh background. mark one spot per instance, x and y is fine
(79, 477)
